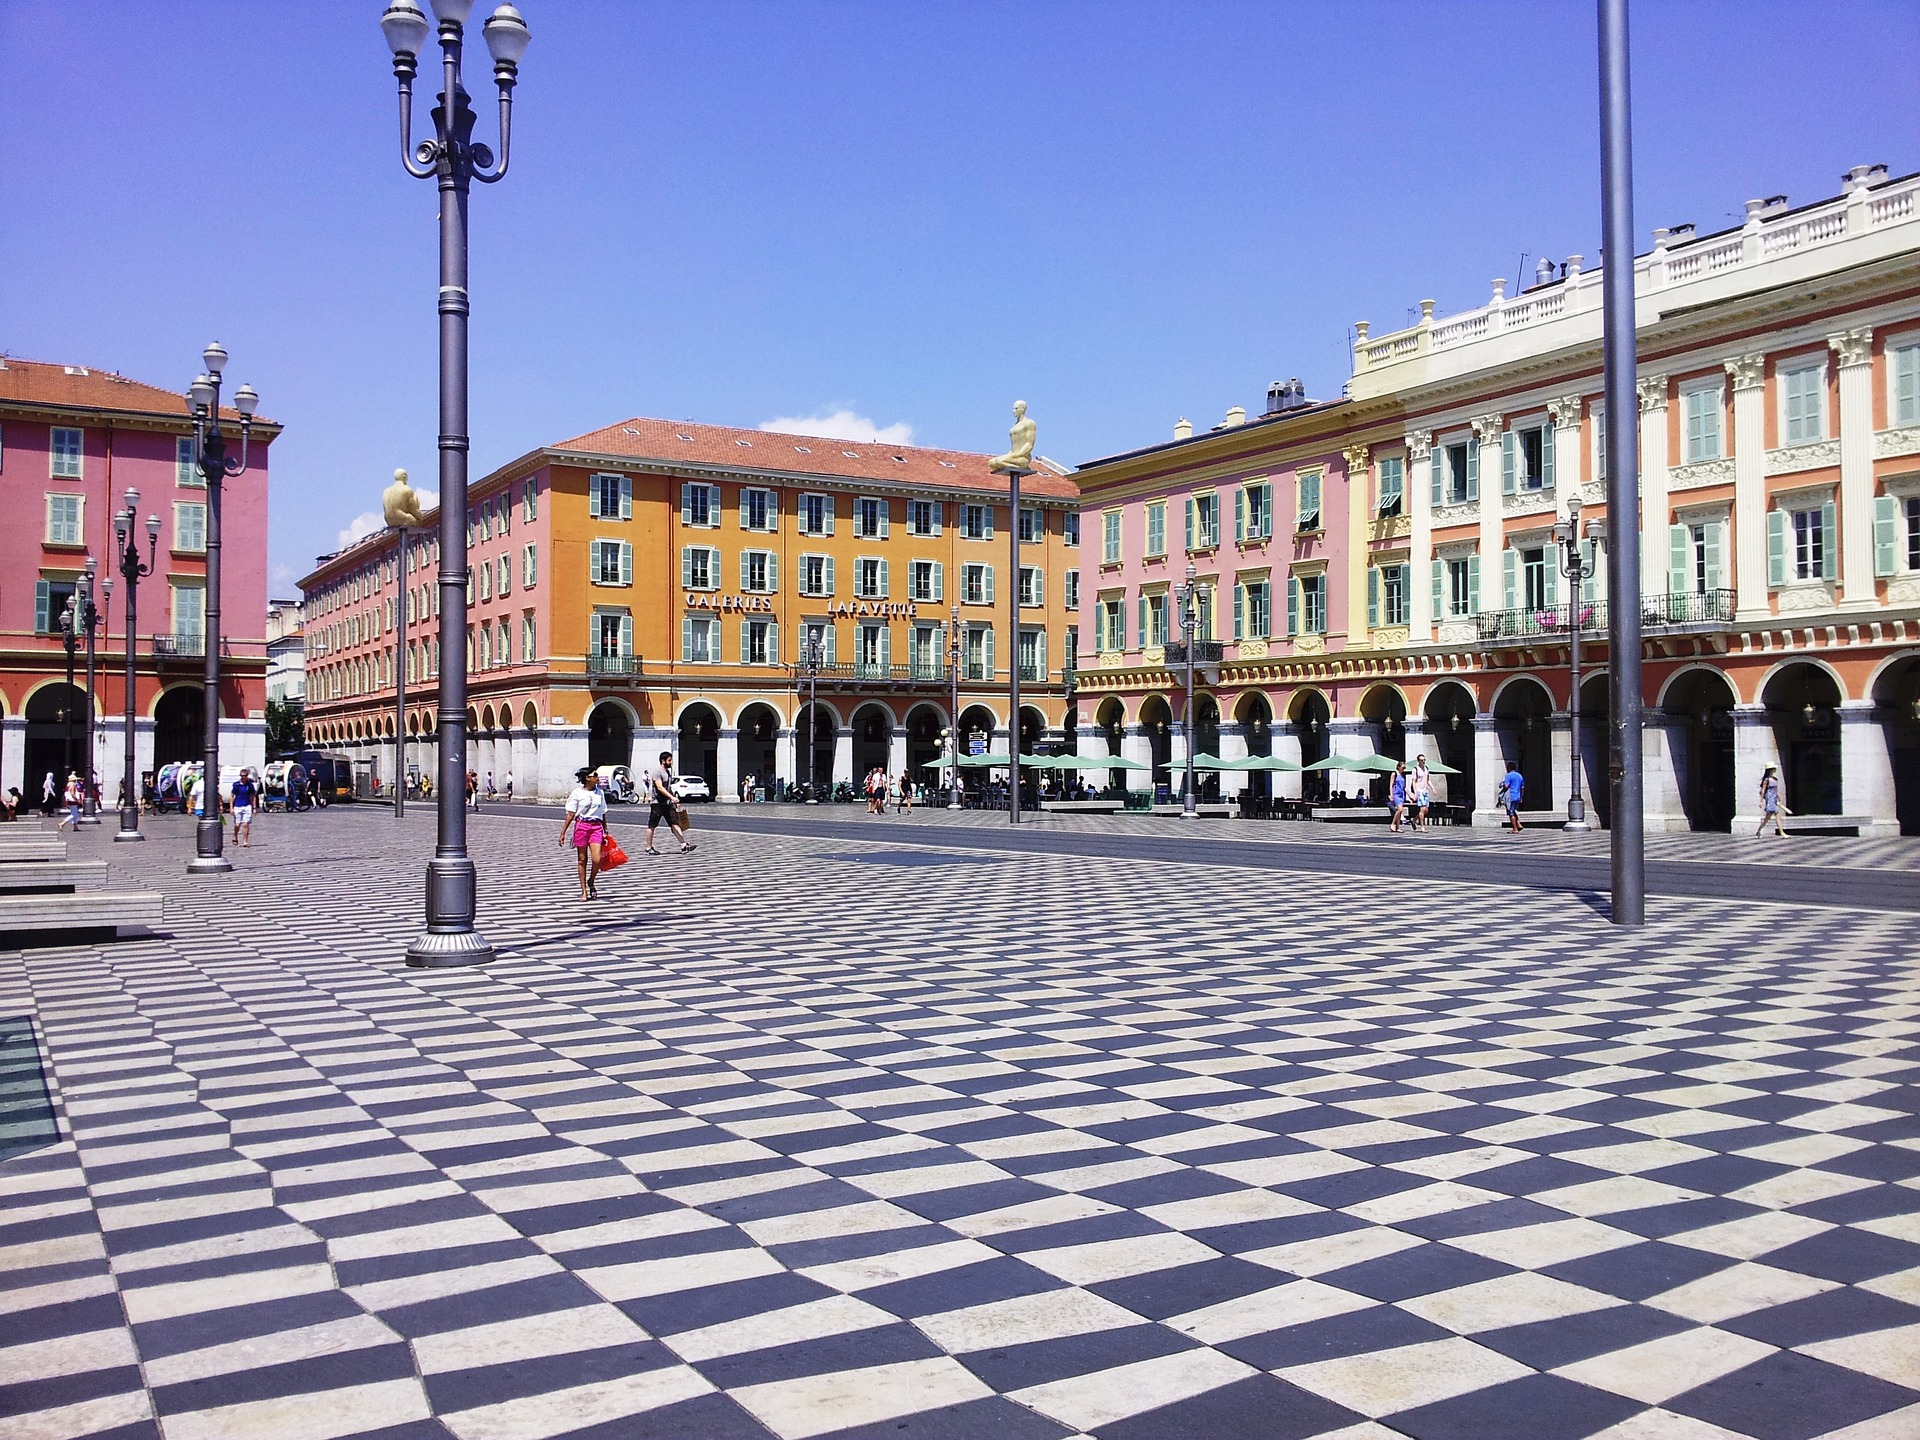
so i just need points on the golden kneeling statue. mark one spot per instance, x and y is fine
(1020, 457)
(401, 502)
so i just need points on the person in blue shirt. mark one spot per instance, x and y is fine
(1397, 796)
(1511, 786)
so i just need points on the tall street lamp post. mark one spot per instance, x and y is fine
(1015, 474)
(1628, 844)
(126, 535)
(95, 617)
(454, 161)
(813, 712)
(70, 642)
(953, 679)
(402, 592)
(1573, 566)
(1192, 597)
(215, 466)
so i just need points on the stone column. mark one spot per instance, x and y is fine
(1853, 351)
(1663, 767)
(1560, 746)
(1286, 744)
(1135, 744)
(1755, 747)
(1359, 498)
(1748, 376)
(1233, 746)
(1489, 764)
(897, 752)
(1419, 508)
(785, 756)
(1655, 512)
(1866, 769)
(727, 766)
(1488, 429)
(842, 755)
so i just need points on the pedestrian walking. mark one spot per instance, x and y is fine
(1397, 796)
(904, 799)
(473, 791)
(75, 797)
(507, 788)
(746, 789)
(492, 794)
(1770, 806)
(245, 796)
(665, 804)
(1511, 786)
(48, 792)
(1422, 787)
(586, 825)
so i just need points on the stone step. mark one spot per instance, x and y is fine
(52, 875)
(33, 849)
(70, 919)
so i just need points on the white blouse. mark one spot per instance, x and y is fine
(585, 804)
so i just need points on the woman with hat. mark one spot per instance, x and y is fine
(587, 819)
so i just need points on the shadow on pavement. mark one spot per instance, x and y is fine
(26, 1107)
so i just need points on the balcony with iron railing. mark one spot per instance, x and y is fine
(613, 665)
(1692, 613)
(1205, 652)
(186, 645)
(862, 672)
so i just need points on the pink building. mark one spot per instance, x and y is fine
(73, 441)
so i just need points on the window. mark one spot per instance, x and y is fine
(1033, 524)
(1456, 473)
(976, 584)
(1387, 587)
(923, 517)
(1809, 545)
(1393, 485)
(64, 453)
(871, 518)
(1253, 512)
(759, 642)
(979, 653)
(699, 505)
(816, 575)
(503, 575)
(486, 523)
(924, 654)
(1802, 545)
(699, 567)
(1252, 610)
(189, 612)
(1693, 557)
(612, 562)
(759, 510)
(1033, 655)
(1537, 581)
(1072, 583)
(1203, 521)
(189, 526)
(529, 568)
(1032, 585)
(1903, 381)
(1070, 527)
(873, 650)
(976, 522)
(1803, 396)
(486, 580)
(63, 519)
(700, 640)
(1526, 459)
(610, 497)
(817, 642)
(1309, 520)
(612, 633)
(1110, 538)
(503, 643)
(870, 578)
(929, 580)
(185, 472)
(1912, 506)
(1156, 529)
(759, 572)
(50, 599)
(816, 514)
(1599, 413)
(1307, 605)
(528, 650)
(1071, 660)
(1701, 406)
(1113, 625)
(529, 505)
(1153, 619)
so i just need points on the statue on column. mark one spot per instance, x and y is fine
(1020, 456)
(401, 503)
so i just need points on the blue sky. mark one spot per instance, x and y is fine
(737, 212)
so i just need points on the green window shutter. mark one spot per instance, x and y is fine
(686, 503)
(1589, 579)
(1886, 533)
(829, 570)
(987, 654)
(1436, 474)
(1716, 547)
(773, 572)
(626, 497)
(686, 567)
(939, 580)
(986, 576)
(1190, 510)
(1293, 606)
(1509, 578)
(1546, 455)
(1439, 590)
(42, 606)
(1829, 543)
(626, 636)
(1553, 580)
(773, 642)
(987, 534)
(885, 569)
(1239, 611)
(1776, 548)
(886, 647)
(1040, 654)
(686, 637)
(1239, 515)
(745, 649)
(1373, 597)
(626, 562)
(1679, 543)
(1509, 462)
(1473, 584)
(886, 518)
(1473, 469)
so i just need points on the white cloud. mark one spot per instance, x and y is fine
(368, 521)
(842, 425)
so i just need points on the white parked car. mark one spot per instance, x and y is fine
(692, 787)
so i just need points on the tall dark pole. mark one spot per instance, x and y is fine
(454, 161)
(1189, 629)
(126, 531)
(90, 618)
(1574, 568)
(70, 641)
(813, 713)
(402, 592)
(1627, 819)
(953, 729)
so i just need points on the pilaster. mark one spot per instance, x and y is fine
(1654, 512)
(727, 767)
(1488, 429)
(842, 754)
(1755, 747)
(784, 755)
(1359, 492)
(1286, 744)
(1136, 745)
(1866, 769)
(1419, 507)
(1489, 764)
(1748, 377)
(1853, 355)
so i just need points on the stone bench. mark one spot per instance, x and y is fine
(1379, 813)
(1208, 809)
(31, 849)
(27, 920)
(1824, 824)
(1084, 807)
(51, 876)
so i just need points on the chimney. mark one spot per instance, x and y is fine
(1236, 415)
(1182, 428)
(1543, 271)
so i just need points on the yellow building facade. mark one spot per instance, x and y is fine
(722, 594)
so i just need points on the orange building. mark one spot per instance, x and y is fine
(660, 585)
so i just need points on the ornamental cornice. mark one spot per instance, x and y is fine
(1816, 455)
(1445, 515)
(1356, 457)
(1748, 372)
(1392, 637)
(1594, 492)
(1905, 440)
(1805, 598)
(1565, 411)
(1419, 445)
(1527, 502)
(1853, 347)
(1701, 472)
(1653, 393)
(1488, 429)
(1309, 645)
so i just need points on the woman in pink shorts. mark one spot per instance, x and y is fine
(587, 820)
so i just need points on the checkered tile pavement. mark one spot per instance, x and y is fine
(795, 1138)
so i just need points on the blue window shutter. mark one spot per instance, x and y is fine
(1679, 539)
(626, 497)
(1829, 543)
(1776, 548)
(686, 567)
(1553, 580)
(829, 574)
(1239, 515)
(42, 606)
(1436, 470)
(1509, 461)
(1886, 533)
(686, 502)
(1473, 469)
(1716, 547)
(773, 572)
(626, 562)
(686, 637)
(1239, 611)
(1509, 578)
(626, 636)
(1546, 455)
(986, 576)
(745, 648)
(773, 642)
(1143, 621)
(939, 580)
(1473, 583)
(1293, 606)
(1589, 578)
(1373, 597)
(1439, 590)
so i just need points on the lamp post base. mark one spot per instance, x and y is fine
(450, 938)
(1189, 814)
(89, 820)
(209, 865)
(433, 951)
(126, 835)
(1577, 815)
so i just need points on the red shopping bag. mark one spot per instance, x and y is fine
(611, 855)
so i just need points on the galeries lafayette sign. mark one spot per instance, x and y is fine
(759, 604)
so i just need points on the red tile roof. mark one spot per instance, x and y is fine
(81, 387)
(681, 442)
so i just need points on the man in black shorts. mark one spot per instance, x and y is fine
(665, 804)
